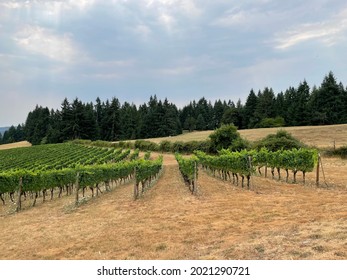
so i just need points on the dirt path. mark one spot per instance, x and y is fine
(279, 221)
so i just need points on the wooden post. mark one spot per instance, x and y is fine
(266, 170)
(249, 176)
(136, 186)
(77, 187)
(19, 201)
(195, 186)
(317, 172)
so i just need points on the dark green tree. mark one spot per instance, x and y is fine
(249, 110)
(190, 124)
(200, 123)
(36, 125)
(129, 121)
(265, 105)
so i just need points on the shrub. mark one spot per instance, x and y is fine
(282, 140)
(226, 137)
(165, 146)
(178, 147)
(271, 122)
(341, 152)
(146, 145)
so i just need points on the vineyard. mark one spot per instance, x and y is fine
(233, 205)
(74, 168)
(70, 168)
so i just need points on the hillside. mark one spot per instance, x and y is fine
(15, 145)
(310, 135)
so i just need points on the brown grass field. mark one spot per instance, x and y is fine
(15, 145)
(319, 136)
(274, 220)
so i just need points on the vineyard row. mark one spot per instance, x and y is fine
(232, 165)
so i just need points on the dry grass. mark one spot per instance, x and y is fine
(15, 145)
(311, 135)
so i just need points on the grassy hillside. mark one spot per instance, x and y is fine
(319, 136)
(15, 145)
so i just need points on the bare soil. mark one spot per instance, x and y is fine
(274, 220)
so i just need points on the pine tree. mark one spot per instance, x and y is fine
(67, 121)
(249, 110)
(36, 125)
(265, 105)
(200, 123)
(129, 122)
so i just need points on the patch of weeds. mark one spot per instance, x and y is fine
(295, 253)
(318, 248)
(72, 207)
(229, 253)
(161, 247)
(315, 236)
(304, 255)
(260, 249)
(340, 254)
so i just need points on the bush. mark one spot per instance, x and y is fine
(146, 145)
(178, 147)
(282, 140)
(240, 144)
(226, 137)
(341, 152)
(165, 146)
(271, 122)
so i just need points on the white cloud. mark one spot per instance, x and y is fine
(42, 41)
(143, 31)
(190, 65)
(107, 70)
(176, 71)
(329, 32)
(232, 17)
(169, 13)
(80, 4)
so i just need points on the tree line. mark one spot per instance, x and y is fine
(113, 121)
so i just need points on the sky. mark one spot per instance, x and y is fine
(176, 49)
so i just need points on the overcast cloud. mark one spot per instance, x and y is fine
(182, 50)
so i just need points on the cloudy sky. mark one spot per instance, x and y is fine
(179, 49)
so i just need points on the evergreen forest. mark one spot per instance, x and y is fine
(112, 121)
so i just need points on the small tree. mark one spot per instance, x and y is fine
(227, 137)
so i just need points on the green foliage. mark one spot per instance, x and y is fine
(147, 169)
(146, 145)
(295, 159)
(271, 122)
(165, 146)
(134, 155)
(227, 161)
(282, 140)
(49, 166)
(188, 167)
(147, 155)
(341, 152)
(227, 137)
